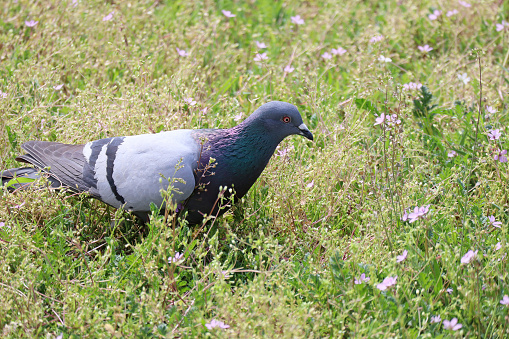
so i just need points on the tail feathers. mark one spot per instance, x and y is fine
(24, 177)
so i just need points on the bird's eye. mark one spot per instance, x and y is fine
(286, 119)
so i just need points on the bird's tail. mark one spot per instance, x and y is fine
(24, 177)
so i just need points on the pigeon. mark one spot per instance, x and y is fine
(197, 165)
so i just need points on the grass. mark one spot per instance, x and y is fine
(284, 261)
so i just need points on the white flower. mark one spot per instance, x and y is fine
(384, 59)
(464, 77)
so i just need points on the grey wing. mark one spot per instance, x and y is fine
(62, 161)
(135, 170)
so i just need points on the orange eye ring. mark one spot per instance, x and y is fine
(286, 119)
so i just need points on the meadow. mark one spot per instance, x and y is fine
(393, 222)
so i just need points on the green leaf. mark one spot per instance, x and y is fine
(12, 137)
(367, 105)
(20, 180)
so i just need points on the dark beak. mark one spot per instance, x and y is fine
(304, 131)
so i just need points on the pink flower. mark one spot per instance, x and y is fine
(498, 246)
(468, 257)
(425, 48)
(182, 52)
(505, 300)
(436, 13)
(297, 20)
(500, 27)
(190, 101)
(216, 323)
(238, 117)
(380, 119)
(285, 151)
(452, 154)
(452, 324)
(501, 156)
(109, 16)
(178, 256)
(412, 86)
(393, 119)
(260, 57)
(228, 14)
(338, 51)
(31, 23)
(436, 319)
(57, 87)
(451, 13)
(419, 212)
(464, 4)
(311, 184)
(405, 216)
(3, 95)
(388, 282)
(18, 206)
(289, 69)
(494, 134)
(449, 290)
(402, 257)
(376, 38)
(326, 55)
(362, 279)
(260, 45)
(494, 223)
(491, 110)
